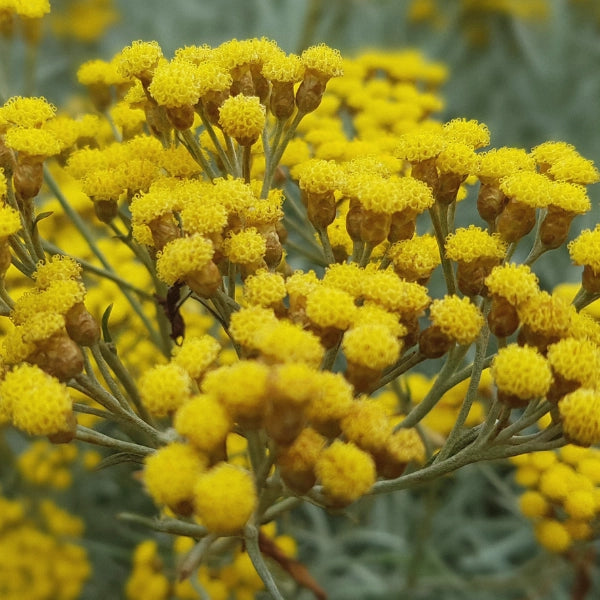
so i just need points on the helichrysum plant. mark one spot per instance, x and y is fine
(231, 272)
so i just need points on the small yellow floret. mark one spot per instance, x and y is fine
(241, 387)
(326, 62)
(224, 498)
(470, 132)
(585, 249)
(553, 535)
(533, 504)
(581, 504)
(420, 145)
(36, 403)
(317, 176)
(171, 472)
(10, 221)
(56, 268)
(367, 424)
(371, 346)
(33, 142)
(139, 60)
(264, 289)
(27, 112)
(472, 243)
(175, 84)
(247, 247)
(330, 307)
(204, 422)
(164, 388)
(243, 118)
(183, 256)
(575, 169)
(458, 318)
(514, 282)
(385, 288)
(522, 372)
(527, 187)
(285, 342)
(197, 354)
(580, 416)
(415, 259)
(575, 360)
(570, 197)
(500, 162)
(345, 471)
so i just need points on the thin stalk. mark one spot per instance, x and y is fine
(190, 142)
(215, 139)
(435, 393)
(269, 148)
(278, 153)
(253, 550)
(528, 418)
(480, 350)
(194, 557)
(28, 209)
(89, 238)
(27, 262)
(123, 375)
(407, 362)
(106, 375)
(173, 526)
(84, 434)
(366, 255)
(327, 250)
(246, 162)
(438, 228)
(233, 156)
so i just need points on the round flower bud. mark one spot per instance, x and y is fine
(243, 118)
(580, 416)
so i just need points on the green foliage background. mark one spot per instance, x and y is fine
(532, 81)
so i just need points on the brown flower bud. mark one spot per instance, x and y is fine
(490, 202)
(106, 210)
(590, 280)
(433, 342)
(182, 117)
(502, 318)
(555, 227)
(374, 227)
(206, 281)
(164, 229)
(59, 356)
(310, 92)
(403, 225)
(81, 326)
(516, 221)
(28, 178)
(282, 103)
(426, 171)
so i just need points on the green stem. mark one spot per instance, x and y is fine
(439, 228)
(253, 549)
(28, 207)
(84, 434)
(435, 393)
(173, 526)
(191, 143)
(233, 156)
(194, 557)
(246, 162)
(278, 153)
(480, 350)
(326, 244)
(215, 139)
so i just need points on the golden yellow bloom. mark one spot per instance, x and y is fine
(243, 118)
(224, 498)
(580, 416)
(164, 388)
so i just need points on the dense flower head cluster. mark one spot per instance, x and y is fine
(265, 274)
(561, 497)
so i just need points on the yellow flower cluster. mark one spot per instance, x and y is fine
(41, 559)
(563, 494)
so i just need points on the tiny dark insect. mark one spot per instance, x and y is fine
(171, 304)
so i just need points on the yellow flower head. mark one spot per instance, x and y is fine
(542, 312)
(243, 118)
(37, 143)
(283, 68)
(553, 535)
(264, 289)
(205, 423)
(458, 318)
(415, 259)
(330, 307)
(575, 169)
(37, 403)
(32, 9)
(183, 256)
(175, 84)
(10, 220)
(345, 276)
(580, 416)
(345, 471)
(323, 61)
(372, 346)
(501, 162)
(171, 472)
(527, 187)
(470, 132)
(57, 268)
(164, 388)
(247, 322)
(241, 387)
(514, 282)
(367, 424)
(549, 153)
(27, 112)
(318, 176)
(420, 145)
(247, 247)
(575, 360)
(571, 197)
(472, 243)
(99, 72)
(139, 60)
(585, 249)
(225, 498)
(457, 158)
(196, 354)
(521, 371)
(388, 290)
